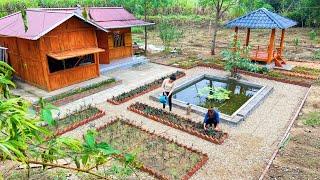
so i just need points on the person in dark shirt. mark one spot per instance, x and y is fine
(212, 119)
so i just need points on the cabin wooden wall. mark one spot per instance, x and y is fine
(102, 38)
(73, 34)
(120, 52)
(29, 57)
(24, 57)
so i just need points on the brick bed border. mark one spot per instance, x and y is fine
(299, 83)
(179, 127)
(80, 123)
(74, 97)
(114, 102)
(152, 171)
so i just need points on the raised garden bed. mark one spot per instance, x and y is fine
(160, 156)
(273, 75)
(126, 96)
(76, 119)
(178, 122)
(75, 94)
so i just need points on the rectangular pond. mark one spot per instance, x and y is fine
(196, 94)
(244, 96)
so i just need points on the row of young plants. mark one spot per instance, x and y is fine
(126, 96)
(76, 119)
(159, 156)
(78, 93)
(178, 122)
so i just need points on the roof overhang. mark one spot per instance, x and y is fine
(74, 53)
(129, 26)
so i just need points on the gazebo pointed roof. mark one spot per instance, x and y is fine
(261, 19)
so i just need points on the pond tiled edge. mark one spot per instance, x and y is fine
(237, 116)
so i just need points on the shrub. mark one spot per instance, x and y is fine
(238, 59)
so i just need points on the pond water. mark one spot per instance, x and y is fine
(240, 94)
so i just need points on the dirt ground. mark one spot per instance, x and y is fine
(300, 158)
(197, 41)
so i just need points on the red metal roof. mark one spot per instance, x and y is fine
(108, 17)
(114, 17)
(39, 23)
(43, 20)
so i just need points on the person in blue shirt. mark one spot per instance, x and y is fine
(212, 119)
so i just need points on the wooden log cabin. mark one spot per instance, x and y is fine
(56, 48)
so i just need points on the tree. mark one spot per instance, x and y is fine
(169, 33)
(23, 140)
(220, 7)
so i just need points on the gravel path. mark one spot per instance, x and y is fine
(251, 143)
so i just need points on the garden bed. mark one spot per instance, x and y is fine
(75, 94)
(161, 157)
(126, 96)
(273, 75)
(76, 119)
(178, 122)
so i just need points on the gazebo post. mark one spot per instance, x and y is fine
(281, 42)
(248, 37)
(271, 45)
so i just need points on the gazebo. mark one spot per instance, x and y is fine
(264, 19)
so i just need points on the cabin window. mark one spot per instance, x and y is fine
(60, 65)
(3, 54)
(118, 39)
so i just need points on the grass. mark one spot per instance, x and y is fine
(186, 63)
(81, 90)
(311, 119)
(153, 151)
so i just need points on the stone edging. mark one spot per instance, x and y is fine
(74, 97)
(79, 123)
(155, 173)
(114, 102)
(299, 83)
(187, 130)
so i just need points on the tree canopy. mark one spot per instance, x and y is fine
(306, 12)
